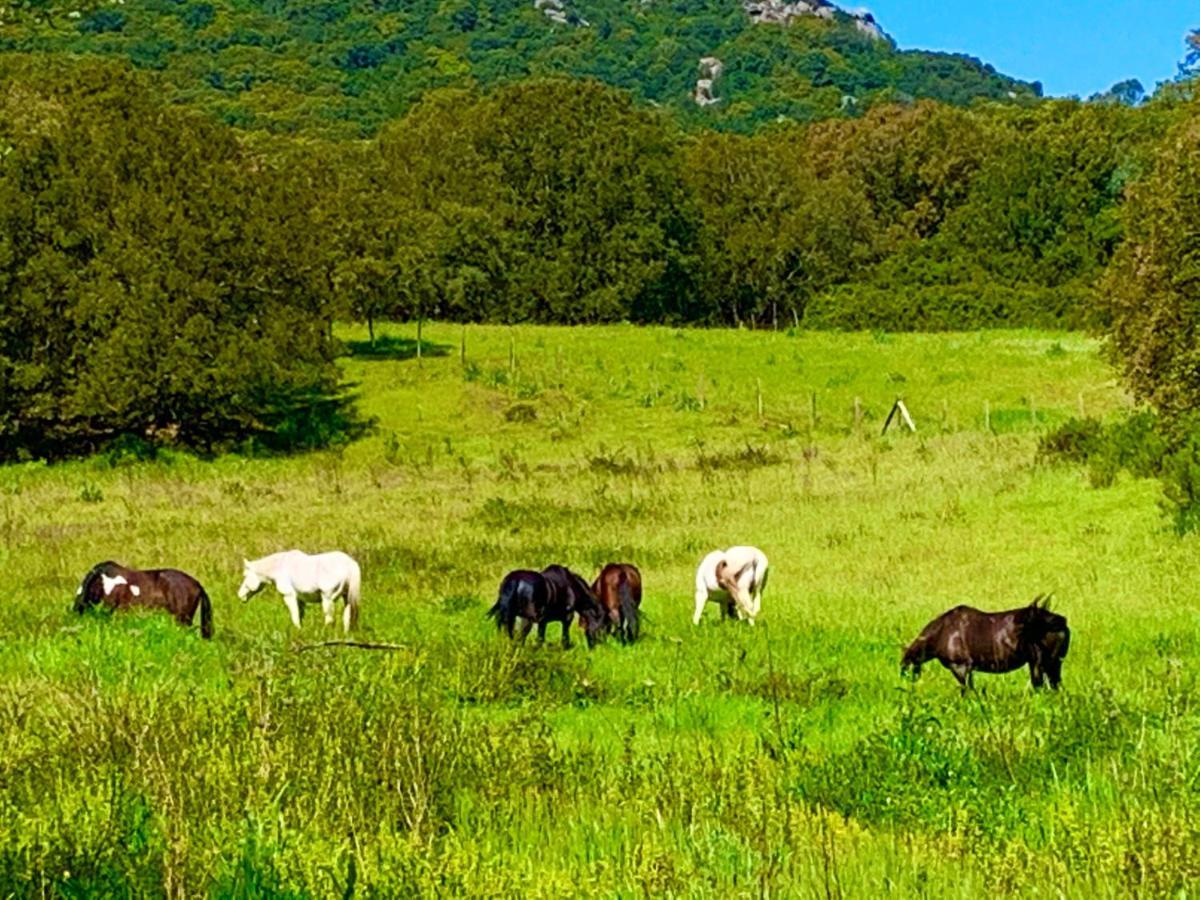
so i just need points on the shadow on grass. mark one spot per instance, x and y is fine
(394, 348)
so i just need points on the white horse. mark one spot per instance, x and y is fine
(297, 575)
(735, 578)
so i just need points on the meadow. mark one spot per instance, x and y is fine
(788, 759)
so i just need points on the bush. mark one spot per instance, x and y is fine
(948, 307)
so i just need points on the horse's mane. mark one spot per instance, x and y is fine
(108, 567)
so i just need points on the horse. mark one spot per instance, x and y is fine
(118, 587)
(965, 640)
(735, 578)
(618, 590)
(553, 595)
(298, 575)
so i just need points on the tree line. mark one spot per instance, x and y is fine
(165, 276)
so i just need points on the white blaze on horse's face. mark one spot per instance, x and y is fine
(110, 584)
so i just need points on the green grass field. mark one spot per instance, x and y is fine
(789, 759)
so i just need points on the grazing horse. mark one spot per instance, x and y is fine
(552, 595)
(965, 640)
(618, 590)
(298, 576)
(118, 587)
(735, 578)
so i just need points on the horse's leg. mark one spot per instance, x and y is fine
(701, 601)
(327, 607)
(962, 673)
(1054, 672)
(1036, 675)
(567, 631)
(526, 627)
(293, 605)
(542, 632)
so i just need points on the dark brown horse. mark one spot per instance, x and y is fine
(618, 590)
(965, 640)
(555, 594)
(118, 587)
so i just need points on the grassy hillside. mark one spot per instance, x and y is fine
(721, 760)
(339, 68)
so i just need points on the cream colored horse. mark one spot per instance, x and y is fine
(738, 574)
(298, 576)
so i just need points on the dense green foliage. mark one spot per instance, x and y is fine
(1152, 292)
(788, 759)
(339, 68)
(170, 278)
(157, 278)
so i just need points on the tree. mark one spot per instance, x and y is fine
(1190, 67)
(158, 279)
(1152, 290)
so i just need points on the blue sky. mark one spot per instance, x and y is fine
(1071, 46)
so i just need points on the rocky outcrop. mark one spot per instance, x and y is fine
(556, 11)
(781, 12)
(865, 22)
(778, 12)
(710, 71)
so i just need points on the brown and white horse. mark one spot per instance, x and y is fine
(117, 587)
(735, 578)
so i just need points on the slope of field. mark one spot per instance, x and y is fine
(721, 760)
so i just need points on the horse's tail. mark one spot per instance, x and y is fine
(353, 594)
(629, 611)
(206, 625)
(504, 610)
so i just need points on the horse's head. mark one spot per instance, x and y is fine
(914, 655)
(1038, 622)
(594, 623)
(252, 582)
(91, 589)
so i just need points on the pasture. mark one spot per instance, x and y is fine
(787, 759)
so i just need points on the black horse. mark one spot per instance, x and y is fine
(555, 594)
(965, 640)
(118, 587)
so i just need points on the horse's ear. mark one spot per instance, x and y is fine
(1036, 600)
(1046, 601)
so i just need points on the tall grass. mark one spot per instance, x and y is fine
(787, 759)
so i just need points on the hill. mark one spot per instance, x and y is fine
(341, 68)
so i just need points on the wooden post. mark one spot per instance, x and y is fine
(812, 409)
(758, 393)
(419, 322)
(512, 353)
(462, 347)
(858, 414)
(987, 416)
(899, 407)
